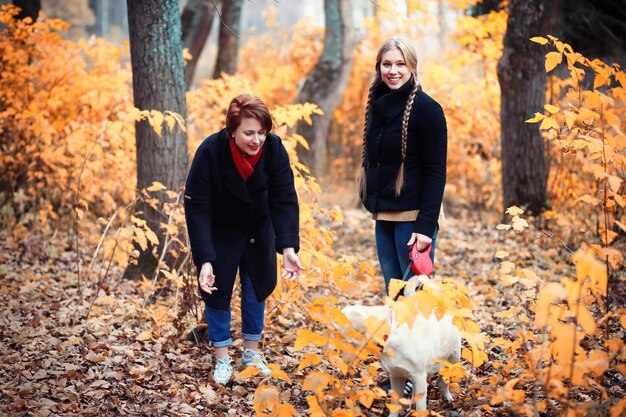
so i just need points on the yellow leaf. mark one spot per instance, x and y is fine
(171, 121)
(314, 407)
(452, 372)
(536, 118)
(509, 314)
(601, 79)
(503, 226)
(278, 373)
(514, 211)
(315, 381)
(507, 267)
(156, 121)
(586, 320)
(549, 294)
(309, 359)
(366, 397)
(286, 410)
(501, 254)
(519, 224)
(607, 236)
(588, 266)
(570, 119)
(94, 357)
(139, 222)
(79, 213)
(593, 99)
(552, 60)
(266, 398)
(565, 337)
(540, 40)
(551, 108)
(615, 345)
(249, 372)
(306, 337)
(548, 123)
(152, 237)
(133, 114)
(145, 335)
(588, 115)
(140, 238)
(615, 183)
(474, 356)
(155, 186)
(395, 286)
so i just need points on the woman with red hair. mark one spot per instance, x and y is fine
(241, 206)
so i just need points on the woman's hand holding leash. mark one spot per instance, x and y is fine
(207, 278)
(421, 241)
(292, 268)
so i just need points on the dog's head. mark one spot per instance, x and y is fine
(415, 283)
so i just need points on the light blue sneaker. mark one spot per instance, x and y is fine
(223, 370)
(253, 358)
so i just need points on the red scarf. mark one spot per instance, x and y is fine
(244, 165)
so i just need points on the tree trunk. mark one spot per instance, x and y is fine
(197, 20)
(327, 81)
(229, 38)
(522, 79)
(158, 84)
(28, 8)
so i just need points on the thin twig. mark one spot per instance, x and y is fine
(165, 242)
(222, 20)
(76, 202)
(95, 255)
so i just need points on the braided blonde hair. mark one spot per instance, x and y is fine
(405, 46)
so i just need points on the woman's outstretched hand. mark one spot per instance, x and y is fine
(206, 278)
(421, 241)
(292, 268)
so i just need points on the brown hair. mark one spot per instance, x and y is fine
(246, 105)
(409, 54)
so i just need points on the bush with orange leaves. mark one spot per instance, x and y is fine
(61, 107)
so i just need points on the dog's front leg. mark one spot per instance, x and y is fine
(397, 385)
(443, 389)
(420, 387)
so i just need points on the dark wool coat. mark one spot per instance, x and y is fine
(425, 162)
(230, 220)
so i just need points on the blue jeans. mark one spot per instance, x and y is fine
(252, 315)
(393, 252)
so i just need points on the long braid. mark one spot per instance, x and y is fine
(368, 112)
(405, 131)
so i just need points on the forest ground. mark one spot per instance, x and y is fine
(61, 355)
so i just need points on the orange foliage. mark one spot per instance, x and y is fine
(585, 128)
(561, 321)
(61, 115)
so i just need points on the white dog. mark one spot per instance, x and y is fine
(410, 352)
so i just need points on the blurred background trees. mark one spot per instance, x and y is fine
(474, 57)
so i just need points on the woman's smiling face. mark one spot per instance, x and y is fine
(393, 69)
(249, 136)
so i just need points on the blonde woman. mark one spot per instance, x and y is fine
(404, 158)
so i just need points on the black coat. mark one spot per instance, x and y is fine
(425, 162)
(229, 220)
